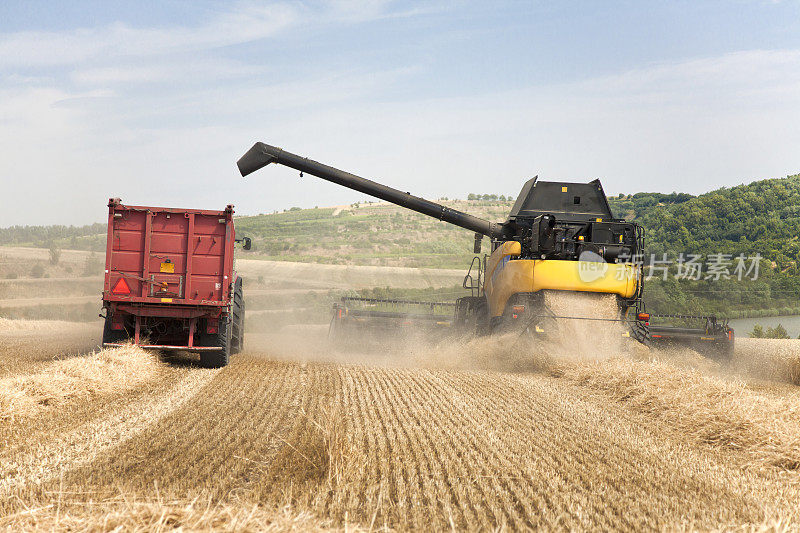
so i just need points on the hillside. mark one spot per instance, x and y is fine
(367, 234)
(762, 217)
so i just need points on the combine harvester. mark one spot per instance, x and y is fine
(558, 237)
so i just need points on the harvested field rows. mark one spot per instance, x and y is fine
(634, 443)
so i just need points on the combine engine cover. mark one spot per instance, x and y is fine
(573, 222)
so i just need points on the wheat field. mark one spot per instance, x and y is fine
(483, 435)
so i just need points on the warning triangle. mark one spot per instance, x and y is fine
(121, 287)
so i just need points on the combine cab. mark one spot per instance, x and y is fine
(558, 236)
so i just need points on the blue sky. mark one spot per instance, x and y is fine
(155, 101)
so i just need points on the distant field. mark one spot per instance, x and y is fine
(68, 295)
(383, 235)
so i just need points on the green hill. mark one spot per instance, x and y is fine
(762, 217)
(367, 234)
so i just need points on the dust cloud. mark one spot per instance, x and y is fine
(519, 351)
(566, 341)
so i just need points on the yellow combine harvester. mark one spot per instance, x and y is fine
(558, 237)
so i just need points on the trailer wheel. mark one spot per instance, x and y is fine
(114, 336)
(237, 325)
(216, 358)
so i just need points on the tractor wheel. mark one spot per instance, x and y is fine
(113, 336)
(237, 325)
(216, 358)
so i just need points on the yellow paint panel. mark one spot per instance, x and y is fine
(529, 275)
(166, 300)
(168, 268)
(563, 189)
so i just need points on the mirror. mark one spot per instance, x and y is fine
(247, 243)
(478, 240)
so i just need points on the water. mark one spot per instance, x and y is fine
(743, 326)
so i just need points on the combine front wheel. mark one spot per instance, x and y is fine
(641, 332)
(482, 320)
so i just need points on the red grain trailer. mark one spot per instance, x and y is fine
(170, 283)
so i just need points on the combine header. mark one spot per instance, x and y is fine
(356, 318)
(558, 236)
(706, 334)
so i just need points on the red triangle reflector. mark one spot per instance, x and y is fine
(121, 287)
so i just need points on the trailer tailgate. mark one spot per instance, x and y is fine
(168, 256)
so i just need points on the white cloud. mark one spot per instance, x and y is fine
(743, 74)
(132, 121)
(244, 24)
(160, 71)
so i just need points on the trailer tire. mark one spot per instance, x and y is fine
(216, 358)
(238, 312)
(114, 336)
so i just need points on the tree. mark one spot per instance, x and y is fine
(55, 254)
(778, 332)
(37, 271)
(758, 332)
(93, 265)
